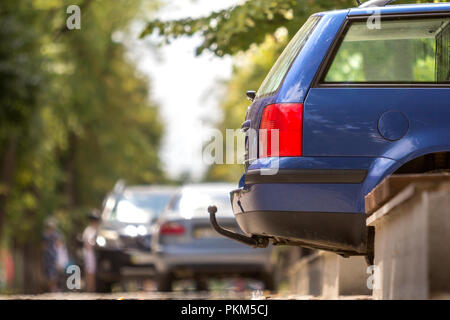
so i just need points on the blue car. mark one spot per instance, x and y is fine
(356, 96)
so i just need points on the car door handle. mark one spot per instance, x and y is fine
(245, 126)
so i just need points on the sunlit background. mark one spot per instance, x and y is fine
(187, 87)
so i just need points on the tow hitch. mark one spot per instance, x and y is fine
(255, 241)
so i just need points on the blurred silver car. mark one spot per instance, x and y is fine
(187, 247)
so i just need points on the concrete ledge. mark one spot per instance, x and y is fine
(330, 276)
(392, 185)
(412, 239)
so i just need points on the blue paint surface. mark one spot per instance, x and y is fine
(393, 125)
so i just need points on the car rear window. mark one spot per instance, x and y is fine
(194, 203)
(398, 51)
(139, 207)
(281, 66)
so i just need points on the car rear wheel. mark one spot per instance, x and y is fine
(164, 282)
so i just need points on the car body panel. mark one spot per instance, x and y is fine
(345, 121)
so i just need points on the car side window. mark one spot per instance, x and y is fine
(443, 54)
(403, 51)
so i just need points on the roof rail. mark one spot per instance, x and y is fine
(374, 3)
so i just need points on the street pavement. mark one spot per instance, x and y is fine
(181, 295)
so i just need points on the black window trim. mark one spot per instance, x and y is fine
(334, 47)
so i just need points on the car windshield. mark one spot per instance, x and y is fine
(282, 65)
(139, 207)
(194, 203)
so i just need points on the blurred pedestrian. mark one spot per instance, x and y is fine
(49, 255)
(62, 261)
(89, 237)
(6, 269)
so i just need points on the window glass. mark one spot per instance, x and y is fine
(194, 203)
(400, 51)
(443, 55)
(281, 66)
(139, 207)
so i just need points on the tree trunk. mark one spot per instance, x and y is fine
(33, 282)
(28, 267)
(69, 165)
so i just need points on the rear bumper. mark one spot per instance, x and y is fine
(340, 232)
(306, 176)
(315, 202)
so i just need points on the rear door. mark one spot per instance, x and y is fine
(382, 91)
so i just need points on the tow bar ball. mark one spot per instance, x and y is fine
(255, 241)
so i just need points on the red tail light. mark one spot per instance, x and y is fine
(172, 229)
(287, 118)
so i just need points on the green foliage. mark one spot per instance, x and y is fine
(76, 111)
(236, 29)
(232, 30)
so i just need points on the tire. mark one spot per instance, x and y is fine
(164, 282)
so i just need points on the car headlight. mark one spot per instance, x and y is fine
(101, 241)
(134, 231)
(108, 238)
(142, 231)
(131, 231)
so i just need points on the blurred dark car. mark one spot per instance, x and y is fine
(187, 247)
(123, 240)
